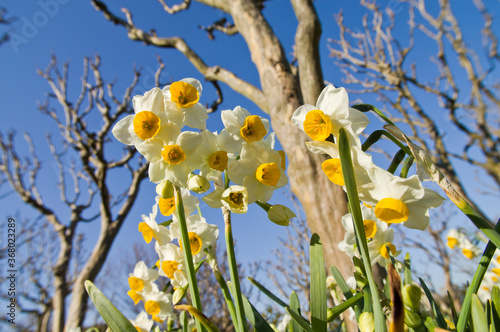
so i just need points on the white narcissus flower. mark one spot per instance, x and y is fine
(332, 168)
(158, 305)
(399, 200)
(201, 234)
(171, 264)
(331, 113)
(183, 106)
(141, 281)
(469, 249)
(241, 127)
(454, 238)
(260, 169)
(214, 160)
(235, 198)
(142, 322)
(173, 156)
(167, 205)
(150, 229)
(214, 199)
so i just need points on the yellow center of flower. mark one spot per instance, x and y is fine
(136, 284)
(496, 270)
(195, 242)
(218, 161)
(392, 211)
(317, 125)
(152, 307)
(493, 278)
(236, 199)
(147, 232)
(173, 154)
(134, 296)
(370, 228)
(184, 94)
(468, 253)
(452, 242)
(384, 252)
(157, 319)
(167, 206)
(268, 174)
(169, 267)
(138, 328)
(146, 124)
(253, 130)
(333, 170)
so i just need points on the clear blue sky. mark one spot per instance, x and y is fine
(72, 29)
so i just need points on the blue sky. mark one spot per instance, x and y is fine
(72, 29)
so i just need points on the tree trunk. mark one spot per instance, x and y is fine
(60, 282)
(324, 203)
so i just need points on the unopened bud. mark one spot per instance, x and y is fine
(412, 319)
(366, 322)
(280, 214)
(165, 189)
(198, 183)
(411, 296)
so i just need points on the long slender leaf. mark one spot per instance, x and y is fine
(298, 318)
(337, 310)
(318, 285)
(295, 306)
(199, 316)
(255, 318)
(434, 306)
(354, 206)
(479, 321)
(269, 294)
(454, 314)
(481, 270)
(115, 320)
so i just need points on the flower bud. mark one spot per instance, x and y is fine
(412, 319)
(198, 183)
(411, 296)
(366, 322)
(280, 214)
(165, 189)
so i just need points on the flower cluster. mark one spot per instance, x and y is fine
(187, 161)
(388, 198)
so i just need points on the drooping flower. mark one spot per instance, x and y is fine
(201, 235)
(241, 127)
(260, 170)
(399, 200)
(142, 322)
(158, 305)
(171, 264)
(141, 281)
(331, 113)
(184, 108)
(173, 157)
(150, 228)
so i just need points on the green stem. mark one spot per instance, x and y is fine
(212, 262)
(488, 253)
(233, 270)
(354, 206)
(188, 256)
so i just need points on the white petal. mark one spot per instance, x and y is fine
(169, 132)
(196, 116)
(157, 171)
(358, 119)
(194, 82)
(189, 141)
(299, 116)
(228, 142)
(334, 102)
(151, 101)
(214, 198)
(324, 147)
(151, 149)
(124, 131)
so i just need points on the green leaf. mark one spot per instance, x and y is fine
(344, 288)
(454, 314)
(479, 321)
(318, 285)
(354, 207)
(255, 318)
(295, 306)
(337, 310)
(112, 316)
(434, 306)
(407, 270)
(268, 292)
(199, 316)
(398, 158)
(298, 318)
